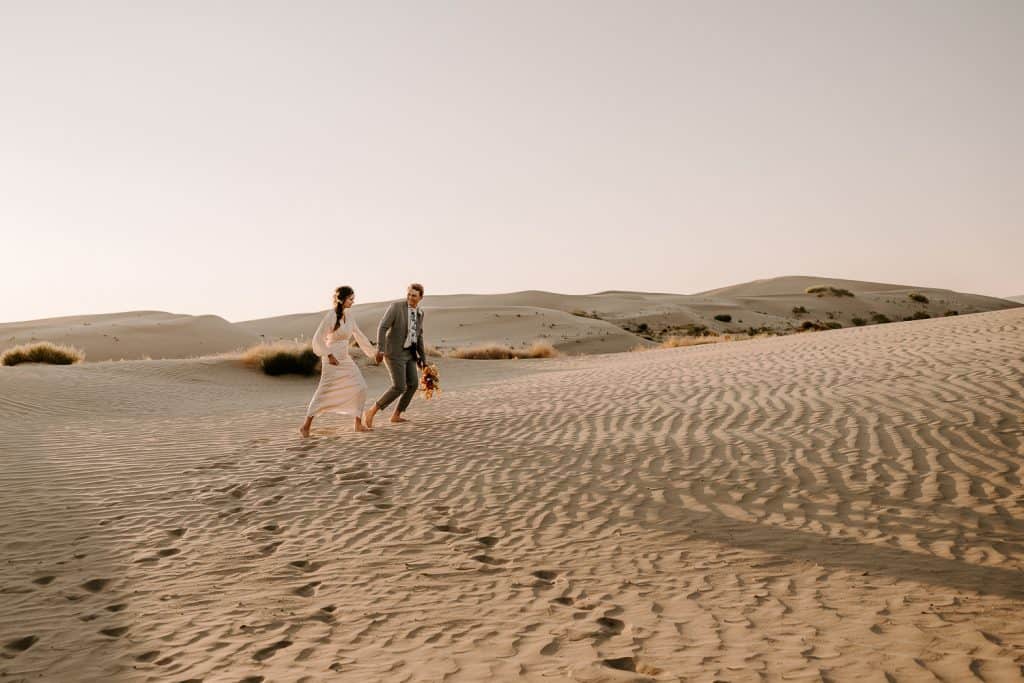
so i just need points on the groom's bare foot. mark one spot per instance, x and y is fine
(396, 419)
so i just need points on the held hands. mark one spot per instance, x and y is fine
(331, 359)
(380, 357)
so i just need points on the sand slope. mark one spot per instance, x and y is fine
(473, 318)
(132, 335)
(606, 322)
(842, 505)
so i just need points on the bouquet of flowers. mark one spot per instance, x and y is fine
(430, 382)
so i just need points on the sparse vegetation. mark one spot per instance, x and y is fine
(282, 358)
(539, 349)
(880, 318)
(42, 352)
(723, 318)
(859, 322)
(799, 311)
(949, 313)
(833, 325)
(825, 290)
(919, 298)
(918, 315)
(583, 314)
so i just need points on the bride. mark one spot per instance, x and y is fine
(342, 388)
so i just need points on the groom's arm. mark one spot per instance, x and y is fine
(386, 321)
(421, 343)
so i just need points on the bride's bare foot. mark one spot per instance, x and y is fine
(304, 429)
(369, 415)
(361, 428)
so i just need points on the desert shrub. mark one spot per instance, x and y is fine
(723, 318)
(949, 313)
(282, 358)
(919, 298)
(760, 331)
(643, 328)
(539, 349)
(918, 315)
(811, 325)
(695, 330)
(859, 322)
(42, 352)
(880, 318)
(799, 311)
(584, 314)
(674, 342)
(823, 290)
(833, 325)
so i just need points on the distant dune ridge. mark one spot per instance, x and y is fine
(1019, 298)
(605, 322)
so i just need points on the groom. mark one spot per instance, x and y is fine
(400, 346)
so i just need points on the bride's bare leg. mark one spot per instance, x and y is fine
(304, 429)
(369, 415)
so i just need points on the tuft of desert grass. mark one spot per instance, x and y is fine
(282, 358)
(539, 349)
(42, 352)
(918, 297)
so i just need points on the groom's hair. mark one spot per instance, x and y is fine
(418, 287)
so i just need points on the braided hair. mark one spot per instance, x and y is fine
(340, 295)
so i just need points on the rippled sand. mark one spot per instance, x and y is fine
(830, 506)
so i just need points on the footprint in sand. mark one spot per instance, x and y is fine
(44, 580)
(305, 565)
(487, 559)
(488, 541)
(177, 533)
(167, 552)
(611, 626)
(546, 576)
(450, 529)
(147, 657)
(270, 548)
(565, 601)
(21, 644)
(551, 648)
(116, 608)
(95, 585)
(114, 632)
(307, 591)
(270, 650)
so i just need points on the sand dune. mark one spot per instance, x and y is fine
(132, 335)
(576, 324)
(1018, 299)
(843, 505)
(468, 318)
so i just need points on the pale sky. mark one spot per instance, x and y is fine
(244, 158)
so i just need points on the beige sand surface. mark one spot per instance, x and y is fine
(838, 506)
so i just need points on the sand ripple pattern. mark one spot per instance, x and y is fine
(832, 506)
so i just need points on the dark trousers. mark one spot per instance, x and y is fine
(404, 380)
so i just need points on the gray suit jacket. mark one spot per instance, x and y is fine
(393, 329)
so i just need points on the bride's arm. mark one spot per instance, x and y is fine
(363, 342)
(320, 336)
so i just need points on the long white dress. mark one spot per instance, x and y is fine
(342, 388)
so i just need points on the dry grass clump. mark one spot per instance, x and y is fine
(539, 349)
(42, 352)
(822, 290)
(282, 358)
(919, 298)
(723, 318)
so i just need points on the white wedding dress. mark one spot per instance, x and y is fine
(342, 388)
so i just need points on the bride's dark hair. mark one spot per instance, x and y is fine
(340, 294)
